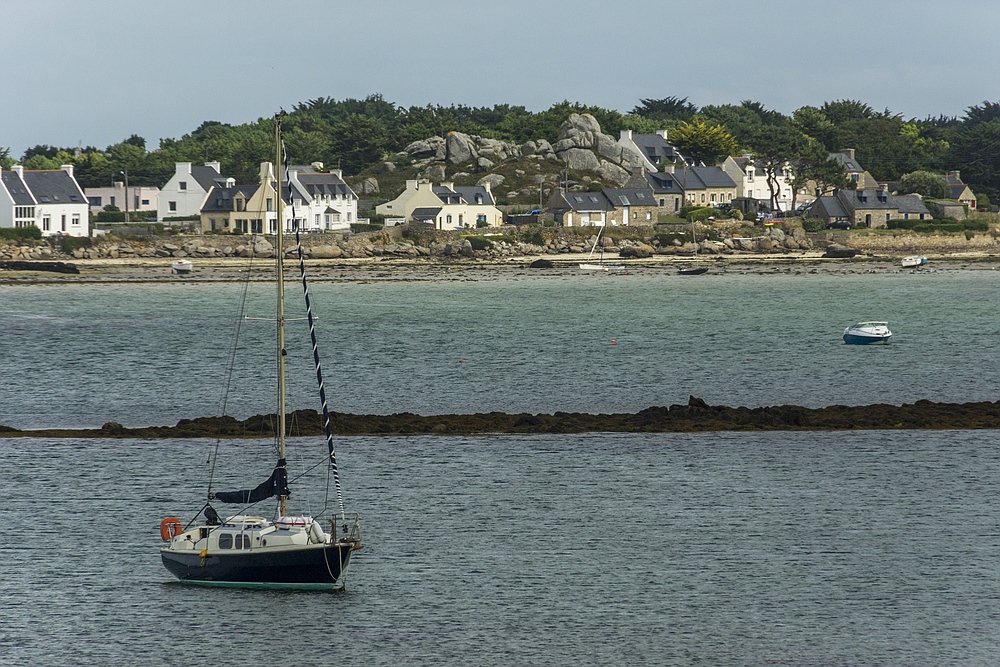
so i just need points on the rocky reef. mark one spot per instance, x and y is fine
(695, 417)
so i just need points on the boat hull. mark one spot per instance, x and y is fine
(855, 339)
(601, 267)
(320, 564)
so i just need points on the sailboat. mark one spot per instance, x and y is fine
(283, 550)
(589, 265)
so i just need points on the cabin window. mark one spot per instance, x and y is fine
(242, 541)
(225, 541)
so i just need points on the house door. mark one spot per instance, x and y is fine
(868, 220)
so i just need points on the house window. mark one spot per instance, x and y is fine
(63, 222)
(649, 216)
(182, 185)
(172, 206)
(459, 218)
(94, 201)
(750, 175)
(713, 197)
(906, 216)
(447, 219)
(921, 216)
(46, 223)
(145, 202)
(270, 204)
(702, 196)
(76, 219)
(661, 203)
(348, 216)
(317, 219)
(241, 204)
(887, 217)
(113, 201)
(481, 217)
(854, 177)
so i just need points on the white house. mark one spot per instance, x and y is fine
(751, 181)
(185, 193)
(51, 200)
(140, 198)
(320, 201)
(446, 206)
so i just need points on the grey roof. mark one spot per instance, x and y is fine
(319, 183)
(868, 199)
(694, 178)
(220, 200)
(909, 204)
(17, 189)
(205, 176)
(851, 166)
(629, 196)
(447, 195)
(53, 187)
(832, 205)
(426, 213)
(655, 148)
(587, 201)
(469, 193)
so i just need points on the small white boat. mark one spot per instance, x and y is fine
(866, 333)
(182, 266)
(913, 261)
(601, 265)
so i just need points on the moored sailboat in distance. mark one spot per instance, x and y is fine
(601, 265)
(247, 550)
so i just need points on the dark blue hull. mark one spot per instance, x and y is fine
(865, 340)
(316, 565)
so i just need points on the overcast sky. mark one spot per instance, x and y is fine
(93, 73)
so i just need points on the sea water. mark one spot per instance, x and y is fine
(848, 548)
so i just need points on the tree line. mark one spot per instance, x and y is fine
(355, 135)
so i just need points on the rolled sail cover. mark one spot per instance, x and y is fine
(275, 485)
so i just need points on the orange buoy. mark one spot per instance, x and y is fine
(614, 342)
(170, 528)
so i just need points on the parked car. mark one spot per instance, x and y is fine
(839, 223)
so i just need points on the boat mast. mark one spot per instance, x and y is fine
(279, 268)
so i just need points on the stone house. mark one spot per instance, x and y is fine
(625, 207)
(855, 172)
(871, 208)
(695, 186)
(51, 200)
(960, 192)
(185, 193)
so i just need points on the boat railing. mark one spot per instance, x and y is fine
(351, 536)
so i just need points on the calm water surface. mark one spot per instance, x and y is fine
(712, 549)
(718, 549)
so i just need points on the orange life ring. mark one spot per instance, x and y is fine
(170, 527)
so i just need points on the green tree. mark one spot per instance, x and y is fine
(772, 149)
(668, 108)
(6, 161)
(813, 166)
(705, 143)
(924, 183)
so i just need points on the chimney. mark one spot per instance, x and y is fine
(626, 134)
(19, 170)
(669, 168)
(412, 184)
(849, 152)
(449, 185)
(662, 133)
(183, 167)
(956, 174)
(68, 168)
(488, 188)
(214, 165)
(266, 172)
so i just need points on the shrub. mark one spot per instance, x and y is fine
(70, 243)
(21, 233)
(479, 242)
(813, 224)
(534, 239)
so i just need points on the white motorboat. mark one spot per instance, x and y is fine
(866, 333)
(913, 261)
(182, 266)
